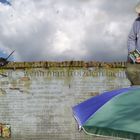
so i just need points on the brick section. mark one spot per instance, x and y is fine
(48, 64)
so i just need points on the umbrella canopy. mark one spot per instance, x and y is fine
(115, 113)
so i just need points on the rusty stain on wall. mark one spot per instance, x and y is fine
(5, 130)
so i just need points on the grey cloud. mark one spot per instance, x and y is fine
(64, 30)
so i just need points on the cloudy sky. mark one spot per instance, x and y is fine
(66, 29)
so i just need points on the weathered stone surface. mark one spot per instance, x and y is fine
(37, 103)
(133, 73)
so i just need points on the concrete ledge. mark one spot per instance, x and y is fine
(133, 73)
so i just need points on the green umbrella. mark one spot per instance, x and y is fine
(115, 113)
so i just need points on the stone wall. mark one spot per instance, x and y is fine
(48, 64)
(37, 102)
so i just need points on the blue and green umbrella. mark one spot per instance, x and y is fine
(115, 113)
